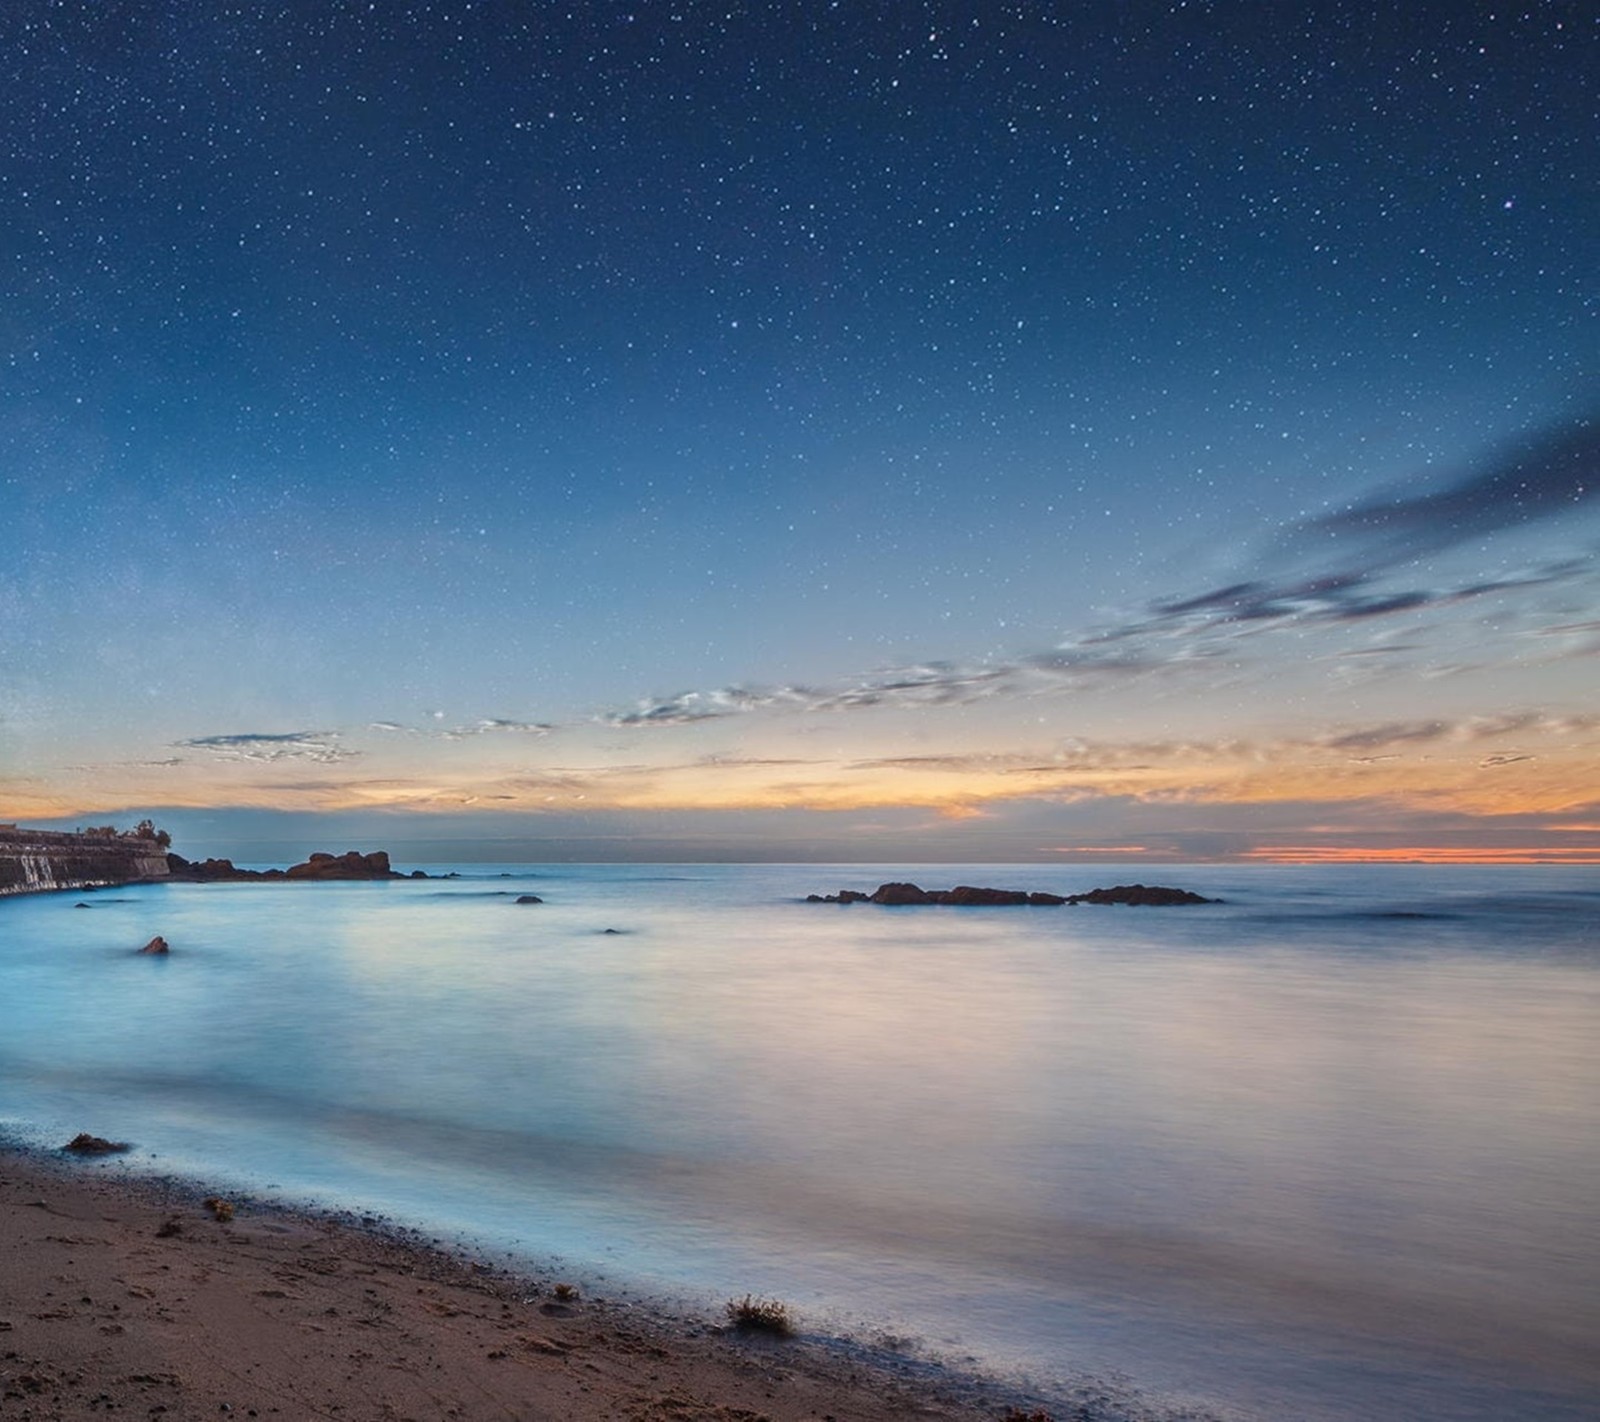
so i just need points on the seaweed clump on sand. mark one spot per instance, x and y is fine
(753, 1315)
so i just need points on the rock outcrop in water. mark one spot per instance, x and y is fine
(351, 865)
(320, 867)
(964, 895)
(1141, 895)
(206, 869)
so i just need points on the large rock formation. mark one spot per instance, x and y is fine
(32, 861)
(964, 895)
(321, 866)
(351, 865)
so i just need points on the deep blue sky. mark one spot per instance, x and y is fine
(450, 407)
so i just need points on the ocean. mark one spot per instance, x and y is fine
(1327, 1150)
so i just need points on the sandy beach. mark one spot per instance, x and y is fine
(127, 1296)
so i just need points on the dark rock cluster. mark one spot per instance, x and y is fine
(1141, 895)
(205, 869)
(1144, 895)
(351, 865)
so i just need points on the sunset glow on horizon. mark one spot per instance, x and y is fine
(1427, 854)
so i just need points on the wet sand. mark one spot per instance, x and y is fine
(124, 1296)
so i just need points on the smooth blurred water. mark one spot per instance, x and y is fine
(1327, 1150)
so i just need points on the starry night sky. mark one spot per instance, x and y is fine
(1017, 431)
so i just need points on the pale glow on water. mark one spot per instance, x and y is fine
(1292, 1154)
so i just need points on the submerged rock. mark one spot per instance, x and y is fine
(529, 899)
(156, 945)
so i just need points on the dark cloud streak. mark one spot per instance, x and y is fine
(1326, 571)
(1555, 473)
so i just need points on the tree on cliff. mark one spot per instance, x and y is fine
(146, 829)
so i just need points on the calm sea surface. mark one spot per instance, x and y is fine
(1328, 1150)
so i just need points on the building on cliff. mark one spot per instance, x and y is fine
(33, 861)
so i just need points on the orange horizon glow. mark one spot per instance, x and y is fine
(1097, 849)
(1422, 854)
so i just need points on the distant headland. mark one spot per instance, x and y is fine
(38, 861)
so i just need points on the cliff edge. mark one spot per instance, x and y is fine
(33, 861)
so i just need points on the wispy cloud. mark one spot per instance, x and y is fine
(1349, 596)
(485, 726)
(319, 746)
(1357, 566)
(166, 763)
(1390, 733)
(925, 684)
(494, 726)
(689, 707)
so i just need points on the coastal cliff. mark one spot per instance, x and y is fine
(37, 861)
(32, 861)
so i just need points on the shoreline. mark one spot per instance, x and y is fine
(125, 1292)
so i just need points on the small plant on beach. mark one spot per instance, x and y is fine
(753, 1315)
(566, 1293)
(221, 1210)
